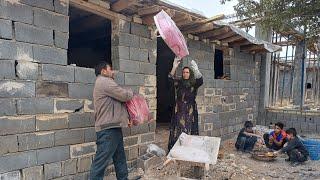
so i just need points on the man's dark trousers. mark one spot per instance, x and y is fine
(109, 147)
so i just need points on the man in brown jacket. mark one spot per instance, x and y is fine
(110, 116)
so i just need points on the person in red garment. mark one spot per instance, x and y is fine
(185, 115)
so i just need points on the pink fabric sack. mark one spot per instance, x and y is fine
(138, 110)
(171, 34)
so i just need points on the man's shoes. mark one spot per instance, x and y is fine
(135, 178)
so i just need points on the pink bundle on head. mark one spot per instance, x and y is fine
(171, 34)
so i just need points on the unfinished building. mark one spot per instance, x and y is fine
(48, 49)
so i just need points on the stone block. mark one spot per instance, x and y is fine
(17, 125)
(8, 49)
(138, 54)
(129, 40)
(27, 70)
(68, 105)
(35, 140)
(16, 161)
(124, 26)
(8, 144)
(130, 141)
(132, 152)
(50, 55)
(149, 44)
(152, 57)
(35, 106)
(52, 170)
(7, 69)
(78, 120)
(61, 6)
(150, 80)
(90, 135)
(84, 75)
(84, 163)
(80, 91)
(140, 30)
(69, 136)
(8, 107)
(150, 137)
(6, 29)
(80, 150)
(14, 175)
(152, 126)
(52, 89)
(147, 69)
(16, 12)
(50, 20)
(131, 79)
(51, 122)
(141, 129)
(52, 72)
(17, 89)
(39, 3)
(148, 161)
(128, 66)
(55, 154)
(32, 173)
(61, 39)
(31, 34)
(119, 78)
(124, 52)
(69, 167)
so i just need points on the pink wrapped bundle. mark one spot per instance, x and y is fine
(171, 34)
(138, 110)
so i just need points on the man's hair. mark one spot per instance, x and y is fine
(248, 124)
(292, 131)
(280, 125)
(100, 66)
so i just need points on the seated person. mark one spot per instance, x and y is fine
(295, 149)
(246, 138)
(277, 138)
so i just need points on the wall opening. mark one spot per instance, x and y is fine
(218, 64)
(89, 38)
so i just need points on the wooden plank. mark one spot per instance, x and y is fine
(214, 18)
(232, 39)
(121, 5)
(95, 9)
(185, 20)
(251, 47)
(215, 32)
(148, 20)
(201, 28)
(149, 10)
(239, 43)
(223, 36)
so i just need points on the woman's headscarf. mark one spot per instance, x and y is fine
(188, 82)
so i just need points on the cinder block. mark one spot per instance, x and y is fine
(90, 135)
(6, 29)
(132, 152)
(141, 129)
(27, 70)
(14, 175)
(150, 80)
(35, 106)
(35, 141)
(17, 89)
(52, 89)
(47, 19)
(23, 51)
(80, 91)
(130, 141)
(140, 30)
(51, 122)
(78, 120)
(129, 66)
(50, 55)
(148, 69)
(39, 3)
(32, 34)
(32, 173)
(69, 167)
(138, 54)
(119, 78)
(124, 26)
(61, 6)
(152, 57)
(149, 44)
(53, 72)
(68, 105)
(8, 49)
(69, 136)
(134, 79)
(150, 137)
(124, 52)
(8, 144)
(8, 107)
(81, 150)
(16, 12)
(16, 161)
(84, 75)
(52, 170)
(128, 40)
(55, 154)
(16, 125)
(61, 39)
(84, 163)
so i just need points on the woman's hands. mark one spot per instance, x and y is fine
(195, 68)
(175, 65)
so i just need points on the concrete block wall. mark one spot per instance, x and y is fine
(224, 105)
(305, 122)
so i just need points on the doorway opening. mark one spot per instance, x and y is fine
(89, 38)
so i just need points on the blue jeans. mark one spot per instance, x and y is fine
(246, 143)
(109, 147)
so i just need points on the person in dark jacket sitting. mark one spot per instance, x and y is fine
(295, 149)
(246, 138)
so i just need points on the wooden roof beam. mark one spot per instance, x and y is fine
(223, 36)
(232, 39)
(251, 47)
(215, 32)
(201, 28)
(121, 5)
(185, 20)
(239, 43)
(149, 10)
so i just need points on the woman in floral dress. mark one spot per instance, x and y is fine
(185, 115)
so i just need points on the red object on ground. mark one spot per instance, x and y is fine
(171, 34)
(138, 110)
